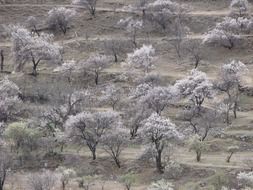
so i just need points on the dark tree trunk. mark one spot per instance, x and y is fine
(198, 156)
(2, 60)
(96, 77)
(159, 161)
(229, 157)
(63, 185)
(115, 58)
(235, 110)
(94, 157)
(117, 162)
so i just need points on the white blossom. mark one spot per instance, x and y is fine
(59, 18)
(196, 86)
(142, 58)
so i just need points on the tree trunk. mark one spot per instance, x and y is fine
(198, 157)
(2, 60)
(94, 156)
(133, 131)
(63, 185)
(229, 157)
(115, 58)
(35, 73)
(159, 161)
(96, 77)
(235, 110)
(62, 147)
(227, 117)
(117, 162)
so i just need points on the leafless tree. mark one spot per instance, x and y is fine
(194, 49)
(114, 48)
(88, 4)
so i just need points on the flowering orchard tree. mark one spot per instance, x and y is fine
(111, 95)
(140, 90)
(9, 99)
(96, 63)
(158, 131)
(90, 5)
(196, 86)
(245, 179)
(161, 185)
(198, 146)
(239, 8)
(114, 142)
(236, 25)
(67, 68)
(221, 37)
(163, 12)
(230, 82)
(90, 128)
(65, 174)
(132, 26)
(34, 49)
(60, 18)
(158, 98)
(142, 58)
(32, 23)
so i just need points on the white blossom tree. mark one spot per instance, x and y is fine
(198, 146)
(245, 179)
(67, 69)
(111, 95)
(158, 131)
(32, 22)
(42, 181)
(224, 34)
(90, 5)
(230, 82)
(158, 98)
(60, 18)
(9, 99)
(142, 58)
(95, 64)
(90, 128)
(163, 12)
(34, 49)
(132, 26)
(65, 174)
(161, 185)
(196, 86)
(236, 25)
(239, 7)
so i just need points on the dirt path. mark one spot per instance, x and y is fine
(104, 9)
(121, 37)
